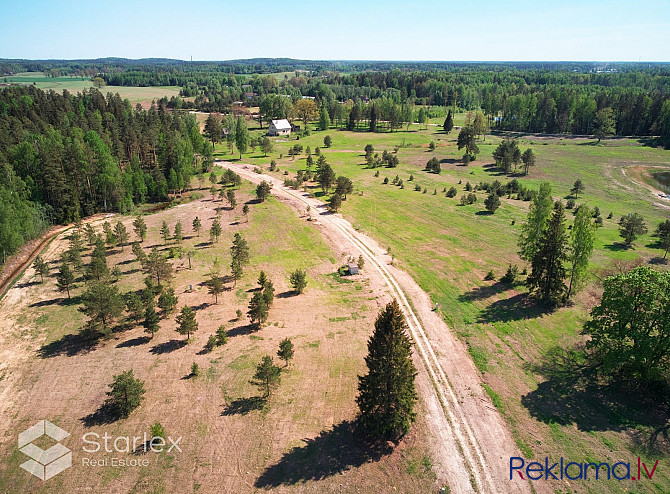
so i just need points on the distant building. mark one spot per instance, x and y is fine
(353, 268)
(279, 128)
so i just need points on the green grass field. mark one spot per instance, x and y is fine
(449, 248)
(76, 84)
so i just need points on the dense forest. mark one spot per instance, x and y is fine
(64, 156)
(554, 98)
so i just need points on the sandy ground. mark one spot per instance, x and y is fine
(470, 442)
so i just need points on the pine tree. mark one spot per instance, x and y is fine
(235, 271)
(268, 293)
(41, 267)
(186, 323)
(134, 306)
(240, 249)
(630, 227)
(262, 279)
(140, 228)
(197, 225)
(65, 278)
(151, 321)
(178, 233)
(387, 394)
(121, 234)
(577, 188)
(102, 303)
(126, 393)
(548, 274)
(215, 286)
(167, 300)
(286, 350)
(267, 376)
(298, 280)
(258, 309)
(538, 214)
(89, 231)
(215, 230)
(663, 234)
(165, 232)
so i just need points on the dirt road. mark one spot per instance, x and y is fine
(471, 443)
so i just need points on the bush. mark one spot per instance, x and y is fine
(452, 192)
(195, 370)
(211, 343)
(221, 335)
(490, 276)
(570, 204)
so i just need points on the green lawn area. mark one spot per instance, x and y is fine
(449, 248)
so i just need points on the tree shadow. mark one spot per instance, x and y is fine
(514, 308)
(658, 260)
(617, 247)
(203, 244)
(449, 161)
(482, 292)
(243, 406)
(573, 393)
(332, 452)
(167, 347)
(242, 330)
(71, 344)
(483, 213)
(140, 340)
(287, 294)
(105, 414)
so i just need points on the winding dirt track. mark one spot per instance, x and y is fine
(470, 441)
(20, 261)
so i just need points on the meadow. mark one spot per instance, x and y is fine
(529, 358)
(301, 439)
(142, 95)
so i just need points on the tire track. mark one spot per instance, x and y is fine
(456, 421)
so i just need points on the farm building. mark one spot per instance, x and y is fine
(279, 128)
(352, 268)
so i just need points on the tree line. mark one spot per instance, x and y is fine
(65, 156)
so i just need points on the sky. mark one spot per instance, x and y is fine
(474, 30)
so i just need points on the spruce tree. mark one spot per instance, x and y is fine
(215, 230)
(387, 394)
(448, 122)
(548, 274)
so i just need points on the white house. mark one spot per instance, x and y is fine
(279, 128)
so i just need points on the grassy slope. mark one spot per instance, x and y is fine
(449, 248)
